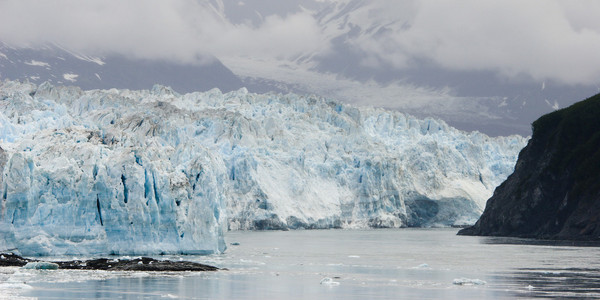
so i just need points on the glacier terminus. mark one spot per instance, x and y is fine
(156, 172)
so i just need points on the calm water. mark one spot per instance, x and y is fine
(370, 264)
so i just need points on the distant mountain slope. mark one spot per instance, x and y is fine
(555, 189)
(60, 66)
(368, 68)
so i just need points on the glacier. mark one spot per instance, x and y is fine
(156, 172)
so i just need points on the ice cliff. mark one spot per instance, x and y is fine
(152, 171)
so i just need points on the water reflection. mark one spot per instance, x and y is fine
(554, 283)
(558, 271)
(383, 264)
(487, 240)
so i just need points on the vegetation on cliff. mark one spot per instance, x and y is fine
(554, 191)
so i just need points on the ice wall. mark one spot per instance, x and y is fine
(93, 173)
(153, 171)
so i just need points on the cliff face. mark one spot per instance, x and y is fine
(554, 191)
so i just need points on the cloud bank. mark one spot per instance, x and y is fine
(180, 30)
(539, 39)
(543, 39)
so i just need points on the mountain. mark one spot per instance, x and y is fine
(58, 65)
(153, 171)
(364, 64)
(365, 53)
(554, 192)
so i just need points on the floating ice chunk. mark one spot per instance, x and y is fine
(170, 296)
(422, 266)
(41, 265)
(530, 287)
(468, 281)
(328, 281)
(353, 256)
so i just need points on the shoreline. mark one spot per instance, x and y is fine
(116, 264)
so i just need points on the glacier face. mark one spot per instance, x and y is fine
(152, 171)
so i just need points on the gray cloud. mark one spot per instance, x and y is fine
(542, 39)
(176, 30)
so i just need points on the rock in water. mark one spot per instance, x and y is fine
(136, 264)
(10, 259)
(554, 191)
(115, 264)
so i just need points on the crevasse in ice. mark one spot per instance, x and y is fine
(152, 171)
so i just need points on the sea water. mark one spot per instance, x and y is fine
(342, 264)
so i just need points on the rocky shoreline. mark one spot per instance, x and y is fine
(116, 264)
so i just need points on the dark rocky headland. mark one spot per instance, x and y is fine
(115, 264)
(554, 192)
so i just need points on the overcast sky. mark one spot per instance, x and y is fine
(542, 39)
(174, 29)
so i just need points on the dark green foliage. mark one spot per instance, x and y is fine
(574, 134)
(554, 191)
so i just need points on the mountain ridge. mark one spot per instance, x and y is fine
(61, 66)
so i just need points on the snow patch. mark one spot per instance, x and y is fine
(554, 105)
(70, 77)
(37, 63)
(88, 58)
(84, 57)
